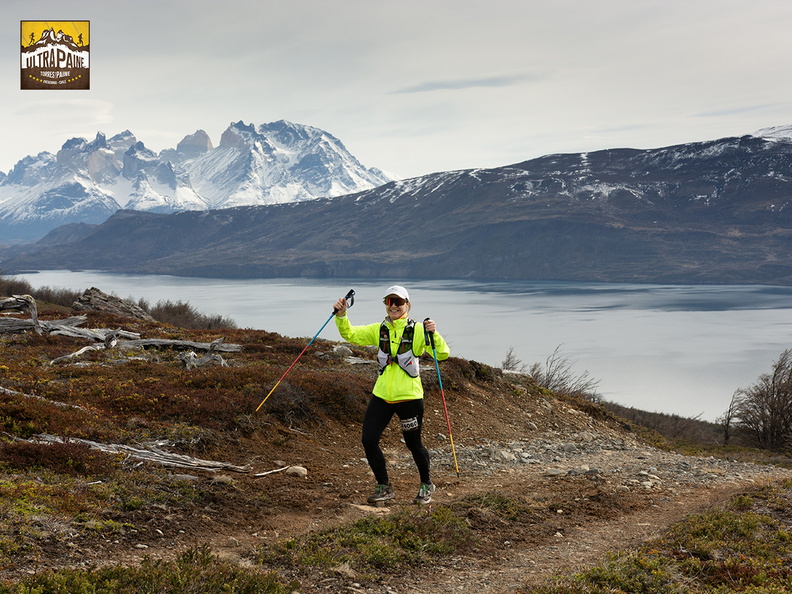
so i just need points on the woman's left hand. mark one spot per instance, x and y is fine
(430, 326)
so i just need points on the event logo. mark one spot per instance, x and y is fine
(55, 55)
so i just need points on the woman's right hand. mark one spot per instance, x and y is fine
(340, 307)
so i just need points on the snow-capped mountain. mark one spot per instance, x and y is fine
(777, 132)
(703, 212)
(87, 181)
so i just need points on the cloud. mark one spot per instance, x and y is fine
(469, 83)
(66, 114)
(736, 110)
(45, 124)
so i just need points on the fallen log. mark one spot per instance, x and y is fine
(177, 344)
(151, 454)
(97, 334)
(13, 325)
(161, 343)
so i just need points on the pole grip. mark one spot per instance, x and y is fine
(429, 334)
(350, 297)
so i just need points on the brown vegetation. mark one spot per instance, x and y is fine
(65, 505)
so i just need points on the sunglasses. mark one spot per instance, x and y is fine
(394, 301)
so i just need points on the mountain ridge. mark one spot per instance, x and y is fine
(265, 164)
(709, 212)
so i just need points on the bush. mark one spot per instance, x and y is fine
(10, 285)
(558, 376)
(764, 410)
(184, 315)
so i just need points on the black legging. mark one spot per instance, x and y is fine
(378, 415)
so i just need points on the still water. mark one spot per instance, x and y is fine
(667, 348)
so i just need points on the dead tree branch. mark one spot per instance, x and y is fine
(191, 360)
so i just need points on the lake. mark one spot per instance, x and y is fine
(667, 348)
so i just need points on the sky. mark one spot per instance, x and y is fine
(412, 87)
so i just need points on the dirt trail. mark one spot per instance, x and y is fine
(574, 550)
(595, 517)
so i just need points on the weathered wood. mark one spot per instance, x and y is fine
(97, 334)
(13, 325)
(191, 360)
(151, 454)
(258, 474)
(18, 302)
(68, 327)
(82, 351)
(110, 338)
(177, 344)
(47, 400)
(23, 303)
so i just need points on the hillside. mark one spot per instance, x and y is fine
(546, 483)
(700, 213)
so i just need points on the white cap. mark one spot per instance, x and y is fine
(398, 291)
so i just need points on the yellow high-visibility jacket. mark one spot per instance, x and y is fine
(393, 384)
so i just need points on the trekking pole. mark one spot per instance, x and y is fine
(350, 297)
(442, 395)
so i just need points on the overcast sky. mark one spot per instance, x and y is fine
(413, 87)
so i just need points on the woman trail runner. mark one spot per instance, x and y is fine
(398, 389)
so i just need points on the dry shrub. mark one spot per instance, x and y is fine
(23, 417)
(558, 375)
(10, 285)
(313, 396)
(69, 457)
(338, 394)
(456, 372)
(185, 315)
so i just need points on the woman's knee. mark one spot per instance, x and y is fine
(412, 439)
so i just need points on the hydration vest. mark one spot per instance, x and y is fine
(405, 358)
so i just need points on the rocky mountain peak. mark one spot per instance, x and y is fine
(32, 170)
(194, 145)
(137, 158)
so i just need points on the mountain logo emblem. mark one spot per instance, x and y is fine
(55, 55)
